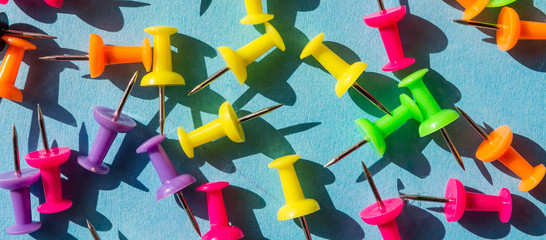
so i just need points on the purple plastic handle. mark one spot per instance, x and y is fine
(19, 187)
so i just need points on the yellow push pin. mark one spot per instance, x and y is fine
(297, 206)
(227, 124)
(162, 74)
(237, 61)
(255, 13)
(345, 74)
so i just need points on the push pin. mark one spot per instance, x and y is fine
(345, 74)
(457, 201)
(5, 30)
(10, 67)
(497, 145)
(255, 13)
(435, 118)
(376, 132)
(18, 183)
(386, 20)
(383, 213)
(227, 124)
(92, 230)
(510, 29)
(172, 183)
(219, 224)
(101, 55)
(162, 74)
(475, 7)
(53, 3)
(237, 61)
(297, 206)
(111, 123)
(48, 161)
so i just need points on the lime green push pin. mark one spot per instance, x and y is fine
(297, 206)
(376, 132)
(435, 118)
(162, 74)
(345, 74)
(227, 124)
(255, 13)
(237, 61)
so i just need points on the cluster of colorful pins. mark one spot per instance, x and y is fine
(53, 3)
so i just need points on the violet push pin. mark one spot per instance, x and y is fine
(172, 183)
(219, 224)
(111, 123)
(5, 30)
(18, 183)
(457, 201)
(92, 230)
(49, 161)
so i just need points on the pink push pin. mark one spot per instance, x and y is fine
(386, 21)
(53, 3)
(219, 224)
(457, 201)
(383, 213)
(49, 161)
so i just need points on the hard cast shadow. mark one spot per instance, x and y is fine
(205, 4)
(240, 205)
(381, 87)
(527, 217)
(411, 224)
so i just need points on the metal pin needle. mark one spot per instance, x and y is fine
(42, 129)
(188, 212)
(371, 98)
(208, 81)
(452, 148)
(16, 163)
(381, 5)
(24, 34)
(161, 108)
(372, 186)
(66, 58)
(126, 94)
(305, 227)
(346, 152)
(476, 127)
(259, 113)
(92, 230)
(424, 198)
(478, 24)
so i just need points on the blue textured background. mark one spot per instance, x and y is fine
(467, 69)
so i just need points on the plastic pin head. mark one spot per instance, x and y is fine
(54, 3)
(472, 7)
(162, 74)
(219, 223)
(10, 67)
(255, 13)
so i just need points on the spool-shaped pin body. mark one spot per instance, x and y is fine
(255, 13)
(512, 29)
(54, 3)
(10, 67)
(19, 187)
(219, 224)
(384, 217)
(162, 73)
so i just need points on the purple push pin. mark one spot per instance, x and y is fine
(18, 183)
(170, 180)
(111, 123)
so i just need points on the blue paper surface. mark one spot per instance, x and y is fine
(466, 69)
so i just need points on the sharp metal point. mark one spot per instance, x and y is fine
(371, 98)
(161, 109)
(208, 81)
(478, 24)
(305, 228)
(188, 212)
(66, 58)
(452, 148)
(259, 113)
(346, 152)
(92, 230)
(16, 163)
(476, 127)
(424, 198)
(373, 187)
(24, 34)
(381, 5)
(42, 129)
(126, 94)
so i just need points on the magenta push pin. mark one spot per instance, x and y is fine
(49, 161)
(386, 20)
(111, 123)
(457, 201)
(18, 183)
(219, 224)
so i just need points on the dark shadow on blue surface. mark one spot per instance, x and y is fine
(240, 205)
(417, 223)
(121, 236)
(205, 4)
(383, 88)
(527, 217)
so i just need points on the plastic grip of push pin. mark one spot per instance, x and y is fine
(10, 67)
(101, 55)
(227, 124)
(296, 203)
(170, 180)
(162, 74)
(219, 224)
(50, 171)
(461, 201)
(237, 61)
(4, 2)
(106, 135)
(19, 187)
(376, 132)
(385, 219)
(498, 146)
(435, 118)
(345, 74)
(472, 7)
(387, 23)
(511, 29)
(499, 3)
(54, 3)
(255, 13)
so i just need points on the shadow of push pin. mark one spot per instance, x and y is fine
(172, 183)
(101, 55)
(6, 31)
(376, 132)
(386, 20)
(457, 201)
(497, 145)
(53, 3)
(297, 206)
(255, 14)
(219, 224)
(475, 7)
(345, 74)
(18, 183)
(435, 118)
(49, 161)
(510, 29)
(111, 123)
(92, 230)
(10, 67)
(238, 60)
(227, 124)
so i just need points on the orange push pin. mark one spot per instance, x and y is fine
(101, 55)
(5, 30)
(10, 67)
(497, 145)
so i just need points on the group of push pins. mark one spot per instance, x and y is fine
(424, 109)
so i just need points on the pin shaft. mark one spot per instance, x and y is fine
(92, 230)
(381, 5)
(66, 58)
(452, 148)
(371, 98)
(42, 129)
(476, 127)
(373, 187)
(24, 34)
(259, 113)
(346, 152)
(16, 162)
(208, 81)
(188, 212)
(424, 198)
(161, 108)
(478, 24)
(126, 94)
(305, 227)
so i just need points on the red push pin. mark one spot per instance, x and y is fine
(219, 224)
(49, 161)
(10, 67)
